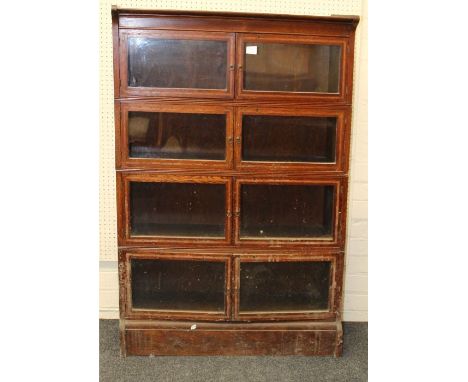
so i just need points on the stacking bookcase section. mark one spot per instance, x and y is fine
(289, 211)
(285, 287)
(232, 156)
(175, 136)
(174, 209)
(168, 285)
(176, 63)
(292, 67)
(288, 139)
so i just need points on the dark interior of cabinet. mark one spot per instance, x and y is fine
(292, 67)
(284, 286)
(178, 285)
(177, 63)
(287, 211)
(177, 209)
(176, 135)
(288, 138)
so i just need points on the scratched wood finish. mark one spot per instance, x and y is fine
(232, 210)
(229, 342)
(232, 332)
(232, 258)
(233, 136)
(179, 338)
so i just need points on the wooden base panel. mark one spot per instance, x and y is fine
(171, 338)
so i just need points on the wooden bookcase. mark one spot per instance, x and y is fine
(232, 151)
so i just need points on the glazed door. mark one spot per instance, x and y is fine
(176, 63)
(290, 139)
(179, 285)
(285, 66)
(175, 209)
(283, 287)
(287, 211)
(180, 136)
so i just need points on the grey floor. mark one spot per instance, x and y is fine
(352, 366)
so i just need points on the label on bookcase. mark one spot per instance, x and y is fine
(251, 49)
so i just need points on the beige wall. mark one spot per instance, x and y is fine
(355, 300)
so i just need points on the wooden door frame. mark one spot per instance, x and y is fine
(127, 310)
(334, 301)
(126, 162)
(339, 208)
(342, 96)
(123, 195)
(127, 91)
(341, 154)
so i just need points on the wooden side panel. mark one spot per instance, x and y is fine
(115, 51)
(339, 341)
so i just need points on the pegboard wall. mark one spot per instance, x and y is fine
(107, 197)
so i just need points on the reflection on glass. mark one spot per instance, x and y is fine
(176, 135)
(286, 211)
(284, 286)
(177, 209)
(292, 67)
(166, 63)
(288, 138)
(178, 285)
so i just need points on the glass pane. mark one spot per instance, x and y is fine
(177, 135)
(285, 286)
(292, 67)
(288, 139)
(177, 209)
(286, 211)
(163, 63)
(178, 285)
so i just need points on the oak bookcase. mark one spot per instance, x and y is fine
(232, 151)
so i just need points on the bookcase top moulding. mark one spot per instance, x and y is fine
(337, 25)
(353, 19)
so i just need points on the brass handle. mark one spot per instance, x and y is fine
(229, 139)
(238, 139)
